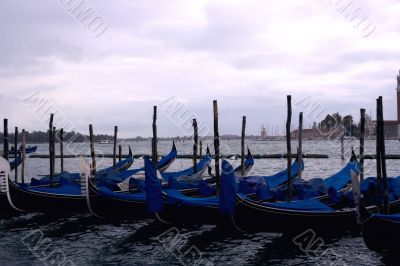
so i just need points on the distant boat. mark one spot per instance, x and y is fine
(106, 141)
(28, 149)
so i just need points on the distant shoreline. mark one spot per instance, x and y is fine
(188, 139)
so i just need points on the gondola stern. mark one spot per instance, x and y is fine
(173, 146)
(6, 181)
(88, 186)
(130, 152)
(11, 193)
(353, 157)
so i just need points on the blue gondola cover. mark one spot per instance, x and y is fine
(229, 188)
(153, 187)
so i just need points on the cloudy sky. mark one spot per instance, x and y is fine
(110, 67)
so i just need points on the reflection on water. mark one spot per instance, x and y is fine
(85, 240)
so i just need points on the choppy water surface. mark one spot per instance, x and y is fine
(85, 240)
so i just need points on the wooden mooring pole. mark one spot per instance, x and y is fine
(300, 155)
(23, 156)
(378, 155)
(62, 149)
(119, 153)
(115, 146)
(195, 144)
(216, 145)
(242, 145)
(201, 149)
(383, 159)
(5, 139)
(289, 148)
(362, 136)
(16, 152)
(342, 146)
(154, 140)
(92, 151)
(51, 151)
(53, 143)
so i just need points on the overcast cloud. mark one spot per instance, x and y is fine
(246, 54)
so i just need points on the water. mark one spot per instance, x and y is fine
(84, 240)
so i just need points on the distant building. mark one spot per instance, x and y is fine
(369, 126)
(392, 127)
(307, 133)
(263, 132)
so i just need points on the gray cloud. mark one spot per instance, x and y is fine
(248, 55)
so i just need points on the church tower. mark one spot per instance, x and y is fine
(263, 132)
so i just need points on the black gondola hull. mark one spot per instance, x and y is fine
(115, 208)
(253, 217)
(191, 215)
(28, 200)
(5, 207)
(188, 215)
(381, 235)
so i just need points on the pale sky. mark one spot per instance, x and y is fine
(339, 55)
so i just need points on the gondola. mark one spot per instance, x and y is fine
(381, 232)
(183, 208)
(16, 162)
(298, 216)
(66, 194)
(249, 214)
(101, 174)
(320, 188)
(116, 181)
(131, 203)
(4, 205)
(167, 160)
(5, 171)
(29, 149)
(63, 195)
(248, 164)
